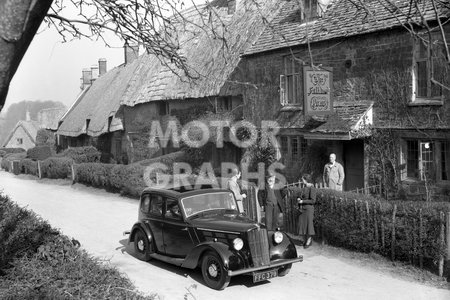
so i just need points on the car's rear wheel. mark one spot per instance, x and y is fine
(284, 270)
(213, 271)
(141, 246)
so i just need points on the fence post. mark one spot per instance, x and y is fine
(375, 221)
(393, 233)
(441, 243)
(420, 239)
(39, 169)
(447, 240)
(73, 172)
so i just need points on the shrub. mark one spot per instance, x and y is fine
(82, 154)
(4, 151)
(8, 158)
(45, 137)
(29, 166)
(95, 174)
(128, 179)
(21, 232)
(40, 152)
(56, 167)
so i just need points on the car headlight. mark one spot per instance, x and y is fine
(238, 244)
(277, 237)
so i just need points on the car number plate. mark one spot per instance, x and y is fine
(261, 276)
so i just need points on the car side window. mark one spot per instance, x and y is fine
(173, 209)
(145, 203)
(156, 205)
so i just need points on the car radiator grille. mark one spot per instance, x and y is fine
(259, 247)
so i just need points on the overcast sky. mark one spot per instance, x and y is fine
(51, 69)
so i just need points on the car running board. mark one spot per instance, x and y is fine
(167, 259)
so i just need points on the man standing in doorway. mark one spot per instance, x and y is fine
(333, 174)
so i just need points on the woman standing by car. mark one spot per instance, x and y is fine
(306, 200)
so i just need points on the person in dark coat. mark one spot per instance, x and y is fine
(306, 200)
(271, 202)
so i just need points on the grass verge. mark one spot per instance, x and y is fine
(37, 262)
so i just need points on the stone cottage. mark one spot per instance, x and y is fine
(334, 73)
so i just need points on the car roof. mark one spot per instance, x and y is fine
(185, 193)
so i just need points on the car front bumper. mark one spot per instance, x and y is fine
(274, 264)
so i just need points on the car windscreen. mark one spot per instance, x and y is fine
(208, 201)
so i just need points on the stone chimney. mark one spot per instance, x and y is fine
(95, 72)
(131, 52)
(231, 6)
(86, 78)
(101, 66)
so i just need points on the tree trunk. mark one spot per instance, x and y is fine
(19, 22)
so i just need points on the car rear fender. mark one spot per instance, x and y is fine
(140, 226)
(193, 259)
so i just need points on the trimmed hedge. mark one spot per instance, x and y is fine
(88, 154)
(367, 224)
(4, 151)
(29, 166)
(56, 167)
(40, 152)
(94, 174)
(6, 160)
(126, 179)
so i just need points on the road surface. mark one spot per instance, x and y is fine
(97, 219)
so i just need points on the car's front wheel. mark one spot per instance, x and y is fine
(213, 271)
(284, 270)
(141, 246)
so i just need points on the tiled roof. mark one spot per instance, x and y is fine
(30, 127)
(343, 18)
(210, 59)
(346, 117)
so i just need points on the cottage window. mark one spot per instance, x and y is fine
(292, 147)
(428, 160)
(19, 141)
(423, 71)
(163, 108)
(291, 88)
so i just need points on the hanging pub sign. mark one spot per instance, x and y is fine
(318, 84)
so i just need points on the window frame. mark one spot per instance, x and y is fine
(286, 147)
(292, 70)
(418, 46)
(437, 147)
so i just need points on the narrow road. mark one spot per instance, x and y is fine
(97, 219)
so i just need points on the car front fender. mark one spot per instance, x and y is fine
(230, 257)
(285, 250)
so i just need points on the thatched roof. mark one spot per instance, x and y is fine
(49, 118)
(343, 18)
(99, 102)
(210, 59)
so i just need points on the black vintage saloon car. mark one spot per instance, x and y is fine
(202, 228)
